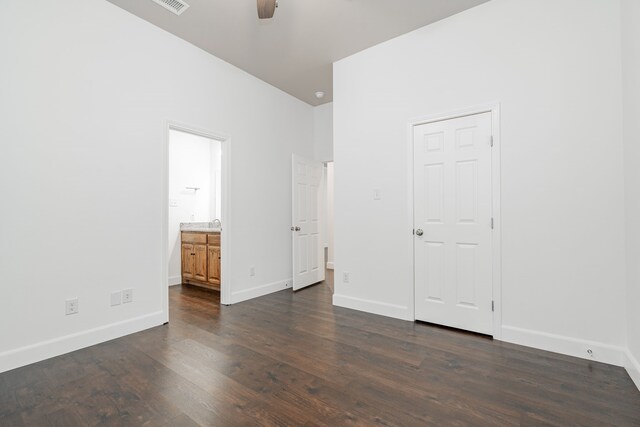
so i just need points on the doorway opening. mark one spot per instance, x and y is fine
(312, 228)
(328, 223)
(196, 216)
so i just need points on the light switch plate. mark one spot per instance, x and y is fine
(377, 194)
(116, 298)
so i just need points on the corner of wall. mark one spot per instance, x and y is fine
(632, 366)
(630, 33)
(174, 280)
(375, 307)
(258, 291)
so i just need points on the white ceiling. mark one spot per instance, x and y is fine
(294, 50)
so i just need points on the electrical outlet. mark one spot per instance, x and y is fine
(71, 306)
(377, 194)
(345, 277)
(116, 298)
(127, 296)
(252, 271)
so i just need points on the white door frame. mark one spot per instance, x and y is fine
(225, 185)
(496, 236)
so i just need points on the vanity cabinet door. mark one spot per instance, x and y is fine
(188, 261)
(214, 265)
(200, 272)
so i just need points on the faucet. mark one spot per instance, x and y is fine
(216, 223)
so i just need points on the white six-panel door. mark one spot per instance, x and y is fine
(453, 225)
(308, 254)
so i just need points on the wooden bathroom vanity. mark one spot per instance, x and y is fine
(201, 258)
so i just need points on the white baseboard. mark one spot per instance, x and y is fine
(632, 366)
(55, 347)
(175, 280)
(375, 307)
(330, 265)
(259, 291)
(601, 352)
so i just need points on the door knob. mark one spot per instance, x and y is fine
(419, 232)
(297, 228)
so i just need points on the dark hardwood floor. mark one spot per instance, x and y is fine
(294, 359)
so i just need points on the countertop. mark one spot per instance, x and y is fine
(199, 227)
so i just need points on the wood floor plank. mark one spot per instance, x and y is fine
(295, 359)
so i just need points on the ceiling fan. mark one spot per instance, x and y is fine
(266, 8)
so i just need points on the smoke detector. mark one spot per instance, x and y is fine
(175, 6)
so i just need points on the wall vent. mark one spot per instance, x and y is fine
(175, 6)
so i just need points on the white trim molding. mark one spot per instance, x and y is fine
(258, 291)
(174, 280)
(632, 366)
(375, 307)
(55, 347)
(600, 352)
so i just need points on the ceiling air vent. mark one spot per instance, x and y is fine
(175, 6)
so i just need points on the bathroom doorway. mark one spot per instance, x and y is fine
(195, 220)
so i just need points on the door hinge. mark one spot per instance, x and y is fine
(493, 306)
(491, 141)
(492, 223)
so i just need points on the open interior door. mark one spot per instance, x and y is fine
(308, 255)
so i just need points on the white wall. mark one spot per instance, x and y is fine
(86, 90)
(555, 68)
(323, 132)
(330, 216)
(631, 91)
(216, 180)
(193, 162)
(323, 151)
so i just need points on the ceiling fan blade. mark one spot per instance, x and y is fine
(266, 8)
